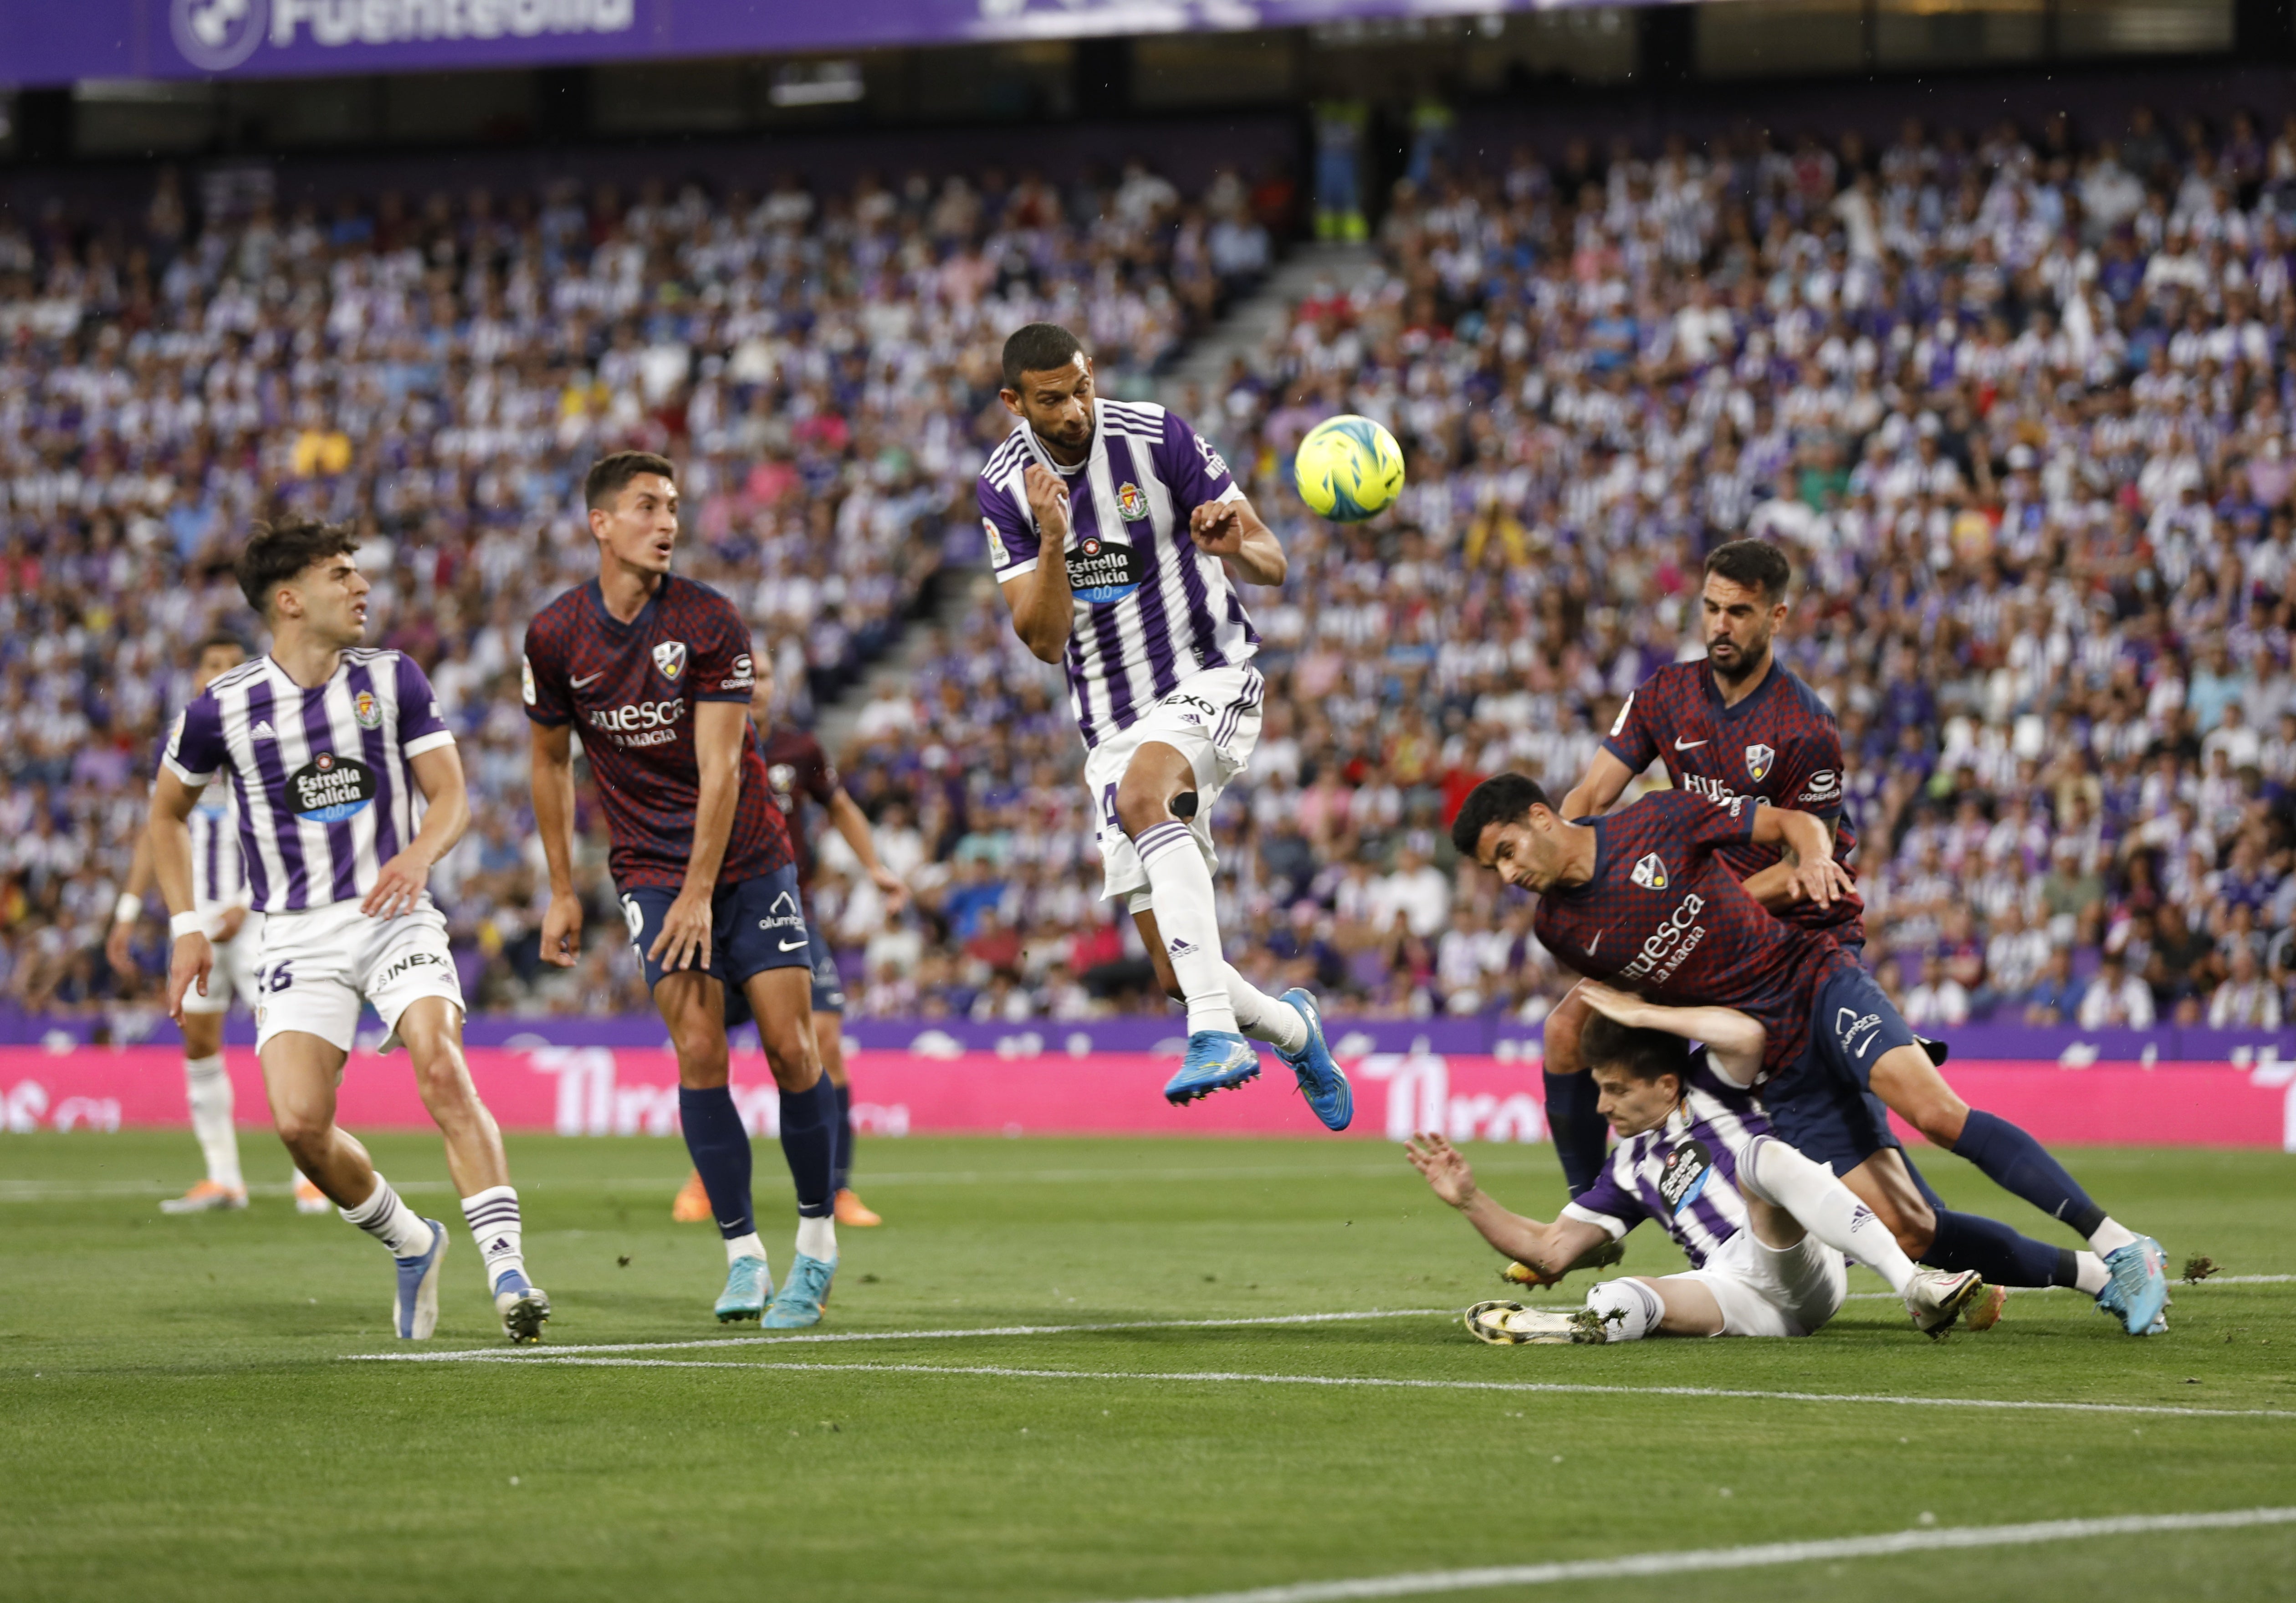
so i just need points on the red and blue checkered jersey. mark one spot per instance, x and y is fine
(1780, 744)
(630, 689)
(1662, 916)
(797, 767)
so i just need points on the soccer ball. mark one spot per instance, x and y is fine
(1348, 468)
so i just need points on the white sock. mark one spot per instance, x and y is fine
(210, 1089)
(1777, 1174)
(1261, 1017)
(492, 1216)
(1629, 1309)
(1180, 889)
(390, 1221)
(2111, 1237)
(817, 1238)
(738, 1247)
(2089, 1273)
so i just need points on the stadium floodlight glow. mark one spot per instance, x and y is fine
(816, 84)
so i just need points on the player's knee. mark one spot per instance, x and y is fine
(305, 1135)
(444, 1083)
(1558, 1035)
(788, 1055)
(1141, 804)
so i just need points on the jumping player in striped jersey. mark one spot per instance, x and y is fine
(332, 751)
(656, 672)
(1142, 523)
(1765, 1229)
(221, 893)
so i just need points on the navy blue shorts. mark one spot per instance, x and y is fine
(828, 984)
(754, 925)
(1823, 1105)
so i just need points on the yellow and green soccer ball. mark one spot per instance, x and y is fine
(1348, 468)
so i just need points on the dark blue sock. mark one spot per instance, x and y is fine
(809, 1142)
(1997, 1252)
(720, 1147)
(1580, 1132)
(2022, 1167)
(842, 1172)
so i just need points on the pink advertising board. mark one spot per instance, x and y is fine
(608, 1091)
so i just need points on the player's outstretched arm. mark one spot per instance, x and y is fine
(447, 815)
(169, 833)
(1735, 1042)
(1043, 604)
(853, 824)
(1232, 530)
(1549, 1248)
(1811, 873)
(1606, 781)
(553, 780)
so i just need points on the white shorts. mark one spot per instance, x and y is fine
(318, 965)
(237, 961)
(1212, 717)
(1773, 1291)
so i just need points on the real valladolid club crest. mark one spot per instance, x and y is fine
(670, 656)
(1757, 761)
(1650, 873)
(367, 709)
(1131, 501)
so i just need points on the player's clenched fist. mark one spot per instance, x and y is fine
(1217, 527)
(561, 930)
(1048, 499)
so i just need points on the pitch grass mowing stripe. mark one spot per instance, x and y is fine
(1885, 1545)
(1382, 1383)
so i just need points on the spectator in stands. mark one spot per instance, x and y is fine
(2116, 999)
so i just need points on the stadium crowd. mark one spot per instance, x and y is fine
(2018, 406)
(440, 373)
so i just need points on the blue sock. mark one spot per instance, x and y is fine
(809, 1142)
(2020, 1165)
(1997, 1252)
(842, 1171)
(720, 1146)
(1580, 1132)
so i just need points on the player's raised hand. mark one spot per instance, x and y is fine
(1217, 527)
(399, 887)
(1048, 498)
(1618, 1005)
(561, 930)
(1445, 1167)
(189, 964)
(684, 939)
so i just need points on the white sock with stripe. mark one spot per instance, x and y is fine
(492, 1216)
(1264, 1017)
(390, 1221)
(1781, 1176)
(1180, 890)
(208, 1085)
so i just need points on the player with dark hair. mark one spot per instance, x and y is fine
(1644, 898)
(657, 672)
(798, 769)
(349, 791)
(234, 931)
(1144, 524)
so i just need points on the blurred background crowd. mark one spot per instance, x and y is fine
(2015, 400)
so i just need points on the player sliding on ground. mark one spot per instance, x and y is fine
(1145, 521)
(328, 747)
(1642, 897)
(234, 933)
(657, 672)
(1765, 1229)
(797, 768)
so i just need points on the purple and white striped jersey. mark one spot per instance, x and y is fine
(1683, 1175)
(1151, 609)
(319, 778)
(217, 876)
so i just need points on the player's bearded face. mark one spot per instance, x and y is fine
(1739, 625)
(1058, 406)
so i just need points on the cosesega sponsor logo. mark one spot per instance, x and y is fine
(639, 723)
(1825, 786)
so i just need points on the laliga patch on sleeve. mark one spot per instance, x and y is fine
(997, 553)
(1687, 1169)
(526, 680)
(1626, 710)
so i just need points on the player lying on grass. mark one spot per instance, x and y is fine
(1765, 1229)
(329, 747)
(1643, 898)
(657, 671)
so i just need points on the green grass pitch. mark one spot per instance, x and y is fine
(178, 1420)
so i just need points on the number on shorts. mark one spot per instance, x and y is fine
(1108, 806)
(634, 917)
(277, 977)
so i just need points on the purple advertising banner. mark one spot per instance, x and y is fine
(43, 42)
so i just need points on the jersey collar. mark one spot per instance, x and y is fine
(1728, 713)
(1035, 446)
(598, 605)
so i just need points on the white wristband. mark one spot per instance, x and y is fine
(128, 910)
(186, 924)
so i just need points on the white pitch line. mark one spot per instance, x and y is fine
(536, 1355)
(1381, 1383)
(1697, 1560)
